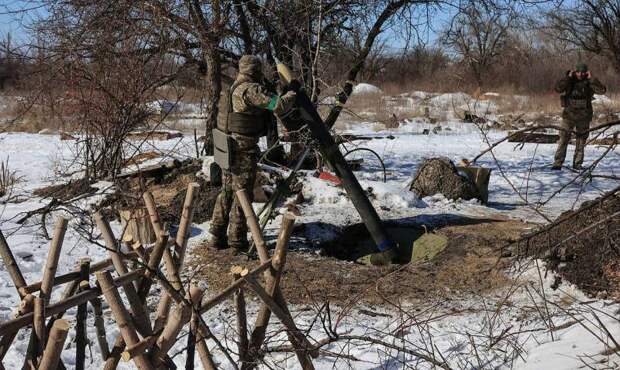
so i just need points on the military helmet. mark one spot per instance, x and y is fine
(250, 65)
(581, 67)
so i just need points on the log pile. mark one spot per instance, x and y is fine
(143, 341)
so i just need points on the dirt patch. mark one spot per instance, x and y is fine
(582, 245)
(168, 189)
(203, 208)
(65, 192)
(471, 263)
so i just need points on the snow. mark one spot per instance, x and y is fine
(163, 106)
(364, 88)
(601, 99)
(454, 326)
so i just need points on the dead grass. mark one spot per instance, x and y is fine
(8, 178)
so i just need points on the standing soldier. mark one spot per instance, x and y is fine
(249, 110)
(577, 89)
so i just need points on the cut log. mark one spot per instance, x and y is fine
(137, 226)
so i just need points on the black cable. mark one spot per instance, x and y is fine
(373, 152)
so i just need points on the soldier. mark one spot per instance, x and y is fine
(577, 89)
(249, 110)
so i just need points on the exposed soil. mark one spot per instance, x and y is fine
(583, 245)
(471, 263)
(204, 204)
(169, 192)
(67, 191)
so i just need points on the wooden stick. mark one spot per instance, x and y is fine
(252, 221)
(242, 321)
(122, 317)
(56, 341)
(39, 328)
(71, 276)
(163, 308)
(153, 265)
(139, 348)
(47, 283)
(286, 320)
(140, 315)
(181, 316)
(149, 201)
(80, 329)
(272, 280)
(100, 328)
(27, 319)
(191, 346)
(143, 291)
(187, 216)
(180, 245)
(37, 343)
(272, 287)
(201, 346)
(195, 298)
(12, 267)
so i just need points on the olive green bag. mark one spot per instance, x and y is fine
(222, 148)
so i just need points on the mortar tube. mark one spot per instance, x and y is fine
(332, 154)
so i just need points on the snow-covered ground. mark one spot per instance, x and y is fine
(463, 332)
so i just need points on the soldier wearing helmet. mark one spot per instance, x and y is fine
(250, 105)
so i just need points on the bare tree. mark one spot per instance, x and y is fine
(478, 34)
(592, 25)
(100, 72)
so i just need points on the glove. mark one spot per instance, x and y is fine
(285, 104)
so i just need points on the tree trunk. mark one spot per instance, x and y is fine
(213, 90)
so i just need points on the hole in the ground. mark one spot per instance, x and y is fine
(355, 241)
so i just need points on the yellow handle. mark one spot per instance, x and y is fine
(285, 73)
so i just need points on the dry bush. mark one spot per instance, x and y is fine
(8, 178)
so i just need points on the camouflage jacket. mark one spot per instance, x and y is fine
(577, 96)
(250, 98)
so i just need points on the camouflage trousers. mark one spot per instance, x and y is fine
(580, 128)
(227, 214)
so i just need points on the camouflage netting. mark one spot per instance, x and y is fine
(439, 175)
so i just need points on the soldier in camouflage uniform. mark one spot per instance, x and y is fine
(577, 88)
(250, 106)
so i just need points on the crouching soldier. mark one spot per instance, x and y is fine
(250, 105)
(577, 88)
